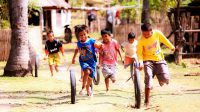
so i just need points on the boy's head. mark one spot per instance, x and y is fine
(106, 35)
(146, 30)
(50, 36)
(131, 37)
(82, 31)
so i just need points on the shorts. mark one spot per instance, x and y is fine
(109, 70)
(158, 69)
(127, 61)
(54, 59)
(89, 64)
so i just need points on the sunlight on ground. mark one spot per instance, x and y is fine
(52, 94)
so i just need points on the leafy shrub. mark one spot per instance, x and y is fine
(5, 24)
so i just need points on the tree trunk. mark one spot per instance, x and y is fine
(18, 63)
(145, 12)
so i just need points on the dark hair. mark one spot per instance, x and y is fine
(105, 31)
(80, 28)
(146, 27)
(131, 35)
(49, 32)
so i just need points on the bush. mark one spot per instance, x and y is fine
(5, 24)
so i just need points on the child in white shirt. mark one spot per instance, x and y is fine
(130, 49)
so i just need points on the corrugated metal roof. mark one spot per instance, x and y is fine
(54, 4)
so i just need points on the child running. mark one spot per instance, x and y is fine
(87, 59)
(108, 57)
(130, 49)
(52, 48)
(151, 58)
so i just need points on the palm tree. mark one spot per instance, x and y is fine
(18, 61)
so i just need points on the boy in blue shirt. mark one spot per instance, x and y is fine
(87, 59)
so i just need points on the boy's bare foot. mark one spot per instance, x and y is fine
(146, 104)
(81, 79)
(90, 93)
(107, 92)
(81, 93)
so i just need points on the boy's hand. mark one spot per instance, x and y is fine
(99, 66)
(45, 57)
(73, 61)
(141, 66)
(173, 49)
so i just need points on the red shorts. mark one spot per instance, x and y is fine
(127, 61)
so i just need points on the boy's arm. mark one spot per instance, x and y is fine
(122, 47)
(100, 59)
(140, 55)
(46, 51)
(97, 45)
(118, 50)
(165, 41)
(46, 54)
(75, 53)
(62, 50)
(120, 54)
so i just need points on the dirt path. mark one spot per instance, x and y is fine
(52, 94)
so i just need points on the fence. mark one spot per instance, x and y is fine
(5, 37)
(35, 39)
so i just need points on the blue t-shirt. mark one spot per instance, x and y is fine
(87, 50)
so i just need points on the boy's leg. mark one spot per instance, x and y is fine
(148, 70)
(82, 74)
(51, 69)
(50, 60)
(106, 73)
(57, 61)
(56, 68)
(87, 80)
(147, 96)
(109, 71)
(162, 72)
(107, 83)
(88, 88)
(114, 72)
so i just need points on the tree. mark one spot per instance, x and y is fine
(145, 11)
(18, 63)
(4, 23)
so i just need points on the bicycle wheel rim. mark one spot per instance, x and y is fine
(73, 87)
(137, 89)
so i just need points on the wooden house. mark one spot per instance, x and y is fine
(54, 16)
(185, 23)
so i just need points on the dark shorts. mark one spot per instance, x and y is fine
(158, 69)
(90, 64)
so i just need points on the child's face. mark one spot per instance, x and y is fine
(106, 38)
(82, 36)
(50, 37)
(131, 40)
(147, 34)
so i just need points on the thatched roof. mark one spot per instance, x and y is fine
(54, 4)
